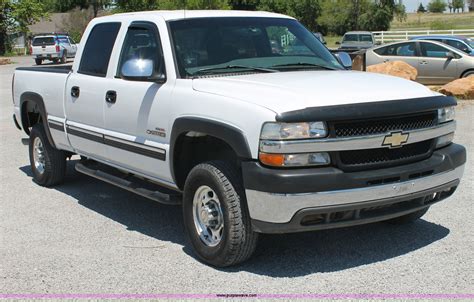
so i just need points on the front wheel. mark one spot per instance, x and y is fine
(38, 61)
(47, 163)
(468, 74)
(215, 214)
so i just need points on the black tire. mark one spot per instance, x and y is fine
(469, 73)
(238, 241)
(64, 57)
(54, 160)
(409, 218)
(38, 61)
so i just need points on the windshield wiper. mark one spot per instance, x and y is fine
(227, 67)
(303, 65)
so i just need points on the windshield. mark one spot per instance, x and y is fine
(470, 42)
(357, 38)
(230, 44)
(40, 41)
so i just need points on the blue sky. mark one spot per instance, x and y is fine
(412, 5)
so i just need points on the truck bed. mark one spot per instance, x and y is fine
(53, 69)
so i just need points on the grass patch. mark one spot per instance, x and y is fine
(427, 21)
(331, 41)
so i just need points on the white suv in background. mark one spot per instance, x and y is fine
(54, 47)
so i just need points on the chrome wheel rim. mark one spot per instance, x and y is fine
(38, 155)
(207, 216)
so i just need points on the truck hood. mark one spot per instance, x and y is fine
(288, 91)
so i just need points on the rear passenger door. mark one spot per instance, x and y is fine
(86, 91)
(136, 116)
(405, 52)
(435, 66)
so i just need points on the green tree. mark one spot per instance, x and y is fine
(421, 8)
(244, 4)
(306, 11)
(458, 5)
(16, 16)
(68, 5)
(400, 12)
(437, 6)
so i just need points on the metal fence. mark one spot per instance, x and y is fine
(394, 36)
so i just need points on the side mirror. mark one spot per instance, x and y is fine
(324, 42)
(450, 55)
(338, 43)
(345, 59)
(140, 70)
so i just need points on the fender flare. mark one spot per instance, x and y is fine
(37, 100)
(233, 136)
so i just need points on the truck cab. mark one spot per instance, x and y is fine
(245, 120)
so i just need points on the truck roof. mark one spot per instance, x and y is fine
(185, 14)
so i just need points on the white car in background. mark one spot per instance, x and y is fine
(55, 47)
(436, 62)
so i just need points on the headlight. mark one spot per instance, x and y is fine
(284, 131)
(446, 114)
(295, 160)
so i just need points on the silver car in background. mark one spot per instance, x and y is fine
(436, 62)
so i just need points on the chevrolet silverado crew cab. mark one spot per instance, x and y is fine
(243, 118)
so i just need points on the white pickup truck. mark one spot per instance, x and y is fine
(244, 118)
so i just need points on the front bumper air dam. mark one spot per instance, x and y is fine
(282, 201)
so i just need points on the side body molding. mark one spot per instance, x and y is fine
(36, 99)
(229, 134)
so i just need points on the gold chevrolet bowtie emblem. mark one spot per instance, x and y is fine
(395, 139)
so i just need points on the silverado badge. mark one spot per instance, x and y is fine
(395, 139)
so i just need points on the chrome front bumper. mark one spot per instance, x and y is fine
(280, 208)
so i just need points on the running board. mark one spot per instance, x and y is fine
(134, 185)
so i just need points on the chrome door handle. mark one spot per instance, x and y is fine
(423, 63)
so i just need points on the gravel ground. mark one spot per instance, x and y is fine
(89, 237)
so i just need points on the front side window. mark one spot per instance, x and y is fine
(142, 43)
(433, 50)
(459, 45)
(227, 45)
(98, 48)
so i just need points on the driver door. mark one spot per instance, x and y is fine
(135, 114)
(435, 67)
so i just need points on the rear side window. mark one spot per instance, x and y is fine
(96, 55)
(401, 49)
(43, 41)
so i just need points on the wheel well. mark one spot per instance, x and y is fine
(30, 115)
(466, 71)
(32, 112)
(193, 148)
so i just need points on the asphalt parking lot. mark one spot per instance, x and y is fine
(86, 236)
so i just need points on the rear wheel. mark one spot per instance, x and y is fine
(216, 216)
(409, 218)
(64, 57)
(47, 163)
(470, 73)
(38, 61)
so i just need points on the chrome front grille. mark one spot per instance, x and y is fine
(354, 160)
(384, 125)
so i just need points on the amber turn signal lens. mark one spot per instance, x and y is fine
(275, 160)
